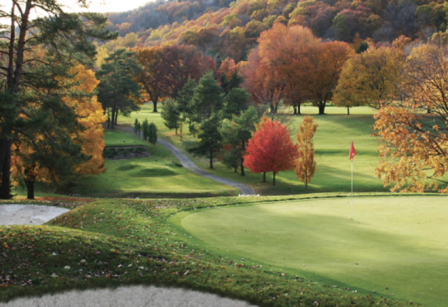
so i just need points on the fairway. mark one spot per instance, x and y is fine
(396, 246)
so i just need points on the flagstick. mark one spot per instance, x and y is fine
(352, 191)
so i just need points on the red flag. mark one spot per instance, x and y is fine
(352, 151)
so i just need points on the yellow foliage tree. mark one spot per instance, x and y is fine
(369, 77)
(306, 166)
(90, 115)
(412, 152)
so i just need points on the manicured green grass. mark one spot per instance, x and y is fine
(107, 243)
(155, 176)
(396, 246)
(332, 142)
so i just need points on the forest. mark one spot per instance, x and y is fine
(222, 29)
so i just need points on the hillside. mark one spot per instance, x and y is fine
(223, 29)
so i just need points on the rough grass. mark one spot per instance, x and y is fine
(154, 176)
(395, 246)
(120, 242)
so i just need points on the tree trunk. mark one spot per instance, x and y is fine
(30, 189)
(321, 109)
(298, 109)
(112, 122)
(5, 156)
(116, 117)
(295, 110)
(273, 179)
(236, 167)
(264, 176)
(306, 186)
(243, 148)
(428, 110)
(155, 106)
(211, 158)
(348, 110)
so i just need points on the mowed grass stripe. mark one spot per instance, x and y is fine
(394, 245)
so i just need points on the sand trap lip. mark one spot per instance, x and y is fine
(129, 296)
(28, 214)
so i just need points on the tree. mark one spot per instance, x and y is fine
(412, 152)
(208, 97)
(301, 65)
(210, 138)
(137, 127)
(118, 91)
(171, 115)
(152, 137)
(236, 133)
(43, 159)
(369, 77)
(186, 108)
(167, 69)
(271, 149)
(235, 102)
(145, 129)
(306, 166)
(65, 39)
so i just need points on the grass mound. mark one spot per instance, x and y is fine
(119, 242)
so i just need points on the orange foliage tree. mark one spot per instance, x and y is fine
(28, 155)
(412, 152)
(306, 166)
(294, 60)
(271, 149)
(166, 70)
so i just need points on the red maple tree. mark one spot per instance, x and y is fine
(271, 149)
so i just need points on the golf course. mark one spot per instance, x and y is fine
(150, 221)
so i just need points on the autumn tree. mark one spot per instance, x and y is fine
(271, 149)
(412, 152)
(118, 92)
(65, 39)
(300, 64)
(166, 70)
(369, 77)
(306, 166)
(265, 90)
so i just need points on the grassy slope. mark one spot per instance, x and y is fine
(398, 243)
(118, 242)
(332, 142)
(155, 176)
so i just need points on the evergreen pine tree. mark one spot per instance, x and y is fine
(152, 134)
(208, 97)
(145, 129)
(136, 124)
(171, 114)
(210, 138)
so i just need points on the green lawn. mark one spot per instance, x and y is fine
(108, 243)
(332, 142)
(396, 246)
(155, 176)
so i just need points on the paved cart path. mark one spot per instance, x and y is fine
(187, 163)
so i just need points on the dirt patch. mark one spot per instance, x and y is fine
(125, 152)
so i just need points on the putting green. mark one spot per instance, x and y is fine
(394, 245)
